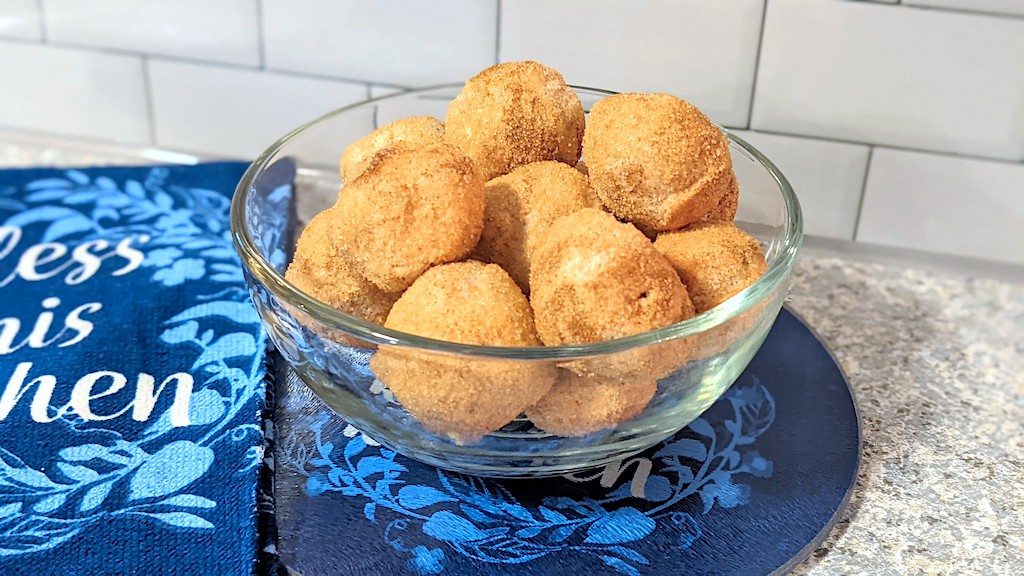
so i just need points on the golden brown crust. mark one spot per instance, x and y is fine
(577, 406)
(655, 159)
(521, 206)
(465, 398)
(513, 114)
(410, 210)
(468, 303)
(595, 278)
(318, 270)
(715, 260)
(728, 205)
(406, 133)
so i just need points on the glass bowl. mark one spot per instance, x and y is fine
(694, 361)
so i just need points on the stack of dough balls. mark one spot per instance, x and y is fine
(490, 230)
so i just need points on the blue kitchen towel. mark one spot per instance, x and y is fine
(131, 374)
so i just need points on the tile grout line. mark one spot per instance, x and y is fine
(497, 33)
(863, 193)
(757, 65)
(147, 85)
(261, 35)
(945, 9)
(881, 145)
(44, 36)
(200, 62)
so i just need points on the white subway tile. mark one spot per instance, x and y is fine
(73, 92)
(892, 75)
(699, 50)
(828, 178)
(238, 113)
(20, 19)
(434, 103)
(376, 91)
(222, 31)
(1015, 7)
(944, 204)
(407, 42)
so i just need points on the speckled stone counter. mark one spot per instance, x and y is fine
(936, 362)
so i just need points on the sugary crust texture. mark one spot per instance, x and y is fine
(464, 398)
(656, 160)
(516, 113)
(715, 260)
(577, 406)
(410, 210)
(726, 209)
(406, 133)
(318, 270)
(595, 278)
(521, 206)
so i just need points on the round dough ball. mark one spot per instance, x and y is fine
(463, 397)
(521, 206)
(577, 406)
(412, 209)
(513, 114)
(595, 278)
(655, 159)
(319, 270)
(715, 260)
(404, 134)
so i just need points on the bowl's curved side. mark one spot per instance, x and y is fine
(706, 354)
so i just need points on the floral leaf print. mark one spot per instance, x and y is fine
(619, 526)
(170, 469)
(101, 474)
(481, 520)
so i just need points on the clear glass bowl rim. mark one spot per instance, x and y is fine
(331, 317)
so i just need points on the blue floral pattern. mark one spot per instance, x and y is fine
(481, 520)
(149, 476)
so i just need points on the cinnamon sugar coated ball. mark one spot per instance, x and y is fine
(469, 303)
(318, 270)
(405, 133)
(521, 206)
(513, 114)
(595, 278)
(577, 406)
(410, 210)
(655, 159)
(715, 260)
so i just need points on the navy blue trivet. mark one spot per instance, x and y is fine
(749, 488)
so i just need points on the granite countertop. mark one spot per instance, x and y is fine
(936, 362)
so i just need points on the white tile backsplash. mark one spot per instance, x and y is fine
(238, 113)
(1015, 7)
(20, 19)
(404, 42)
(928, 79)
(223, 31)
(72, 92)
(699, 50)
(378, 91)
(828, 178)
(831, 87)
(947, 204)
